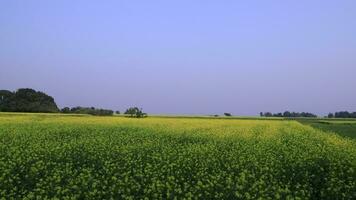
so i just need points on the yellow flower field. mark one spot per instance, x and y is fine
(86, 157)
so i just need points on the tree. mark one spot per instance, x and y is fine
(353, 115)
(65, 110)
(117, 112)
(345, 114)
(278, 115)
(88, 110)
(26, 100)
(7, 103)
(342, 114)
(131, 111)
(135, 112)
(227, 114)
(268, 114)
(287, 114)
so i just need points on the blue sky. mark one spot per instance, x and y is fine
(183, 57)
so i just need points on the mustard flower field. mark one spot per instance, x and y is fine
(48, 156)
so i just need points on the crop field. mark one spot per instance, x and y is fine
(343, 127)
(86, 157)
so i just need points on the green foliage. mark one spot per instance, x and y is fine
(88, 110)
(227, 114)
(66, 110)
(341, 127)
(344, 114)
(26, 100)
(288, 114)
(135, 112)
(72, 157)
(7, 102)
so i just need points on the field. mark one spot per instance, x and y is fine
(343, 127)
(84, 157)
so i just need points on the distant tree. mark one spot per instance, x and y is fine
(342, 114)
(76, 109)
(277, 115)
(268, 114)
(261, 114)
(295, 114)
(330, 115)
(287, 114)
(345, 114)
(135, 112)
(26, 100)
(131, 111)
(117, 112)
(7, 101)
(103, 112)
(353, 115)
(227, 114)
(65, 110)
(88, 110)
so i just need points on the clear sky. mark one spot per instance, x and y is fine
(183, 57)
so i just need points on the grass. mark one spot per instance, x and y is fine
(343, 127)
(86, 157)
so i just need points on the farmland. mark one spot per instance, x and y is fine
(87, 157)
(343, 127)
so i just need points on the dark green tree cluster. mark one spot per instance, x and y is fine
(342, 114)
(135, 112)
(287, 114)
(87, 110)
(26, 100)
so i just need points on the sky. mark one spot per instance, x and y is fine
(183, 57)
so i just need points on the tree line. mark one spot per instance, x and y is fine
(287, 114)
(87, 110)
(342, 114)
(30, 100)
(130, 112)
